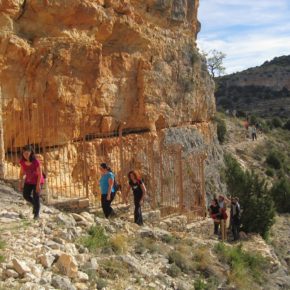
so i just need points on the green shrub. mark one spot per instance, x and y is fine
(95, 239)
(150, 245)
(255, 199)
(200, 284)
(274, 160)
(2, 245)
(221, 130)
(253, 120)
(169, 239)
(276, 122)
(119, 244)
(270, 172)
(181, 260)
(245, 268)
(114, 268)
(281, 195)
(287, 125)
(173, 271)
(101, 284)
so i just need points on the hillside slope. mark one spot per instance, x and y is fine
(263, 90)
(63, 251)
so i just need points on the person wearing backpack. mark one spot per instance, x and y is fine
(107, 189)
(236, 218)
(139, 191)
(30, 167)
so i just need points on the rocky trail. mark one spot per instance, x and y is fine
(240, 145)
(83, 251)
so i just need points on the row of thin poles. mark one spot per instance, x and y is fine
(72, 169)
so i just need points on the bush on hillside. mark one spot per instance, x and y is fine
(276, 122)
(274, 160)
(253, 120)
(281, 195)
(270, 172)
(221, 130)
(255, 199)
(287, 125)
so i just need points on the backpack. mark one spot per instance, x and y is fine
(116, 185)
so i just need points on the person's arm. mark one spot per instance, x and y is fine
(111, 184)
(144, 190)
(21, 174)
(39, 174)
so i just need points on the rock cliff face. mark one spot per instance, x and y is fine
(93, 64)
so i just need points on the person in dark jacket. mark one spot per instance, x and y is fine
(139, 191)
(214, 210)
(235, 218)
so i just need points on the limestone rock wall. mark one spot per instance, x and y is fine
(75, 67)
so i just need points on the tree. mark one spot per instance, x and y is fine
(257, 204)
(281, 195)
(215, 60)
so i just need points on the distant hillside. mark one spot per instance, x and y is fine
(263, 90)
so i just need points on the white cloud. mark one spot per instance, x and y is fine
(249, 32)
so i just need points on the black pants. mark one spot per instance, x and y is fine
(30, 194)
(216, 228)
(138, 219)
(254, 136)
(236, 228)
(106, 204)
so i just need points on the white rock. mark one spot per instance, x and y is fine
(62, 283)
(66, 220)
(20, 266)
(46, 260)
(9, 273)
(71, 249)
(88, 216)
(83, 277)
(78, 217)
(37, 270)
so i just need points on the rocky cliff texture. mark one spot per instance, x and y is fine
(263, 90)
(91, 65)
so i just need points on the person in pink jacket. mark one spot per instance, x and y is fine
(30, 186)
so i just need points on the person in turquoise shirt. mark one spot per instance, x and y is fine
(107, 189)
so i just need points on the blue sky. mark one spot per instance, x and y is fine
(248, 31)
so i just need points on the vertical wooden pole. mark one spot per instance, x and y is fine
(2, 145)
(153, 177)
(181, 193)
(161, 174)
(203, 193)
(121, 148)
(86, 175)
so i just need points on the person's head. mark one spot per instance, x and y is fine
(214, 202)
(235, 200)
(104, 168)
(133, 176)
(28, 153)
(221, 198)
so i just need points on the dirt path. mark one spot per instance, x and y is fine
(240, 145)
